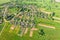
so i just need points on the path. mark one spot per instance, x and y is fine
(56, 18)
(56, 21)
(12, 27)
(26, 30)
(46, 26)
(31, 31)
(2, 30)
(57, 0)
(5, 11)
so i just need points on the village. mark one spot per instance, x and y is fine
(26, 18)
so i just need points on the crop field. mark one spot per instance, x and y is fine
(29, 20)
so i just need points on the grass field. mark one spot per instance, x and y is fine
(50, 34)
(4, 1)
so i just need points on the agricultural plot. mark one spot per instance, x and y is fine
(29, 20)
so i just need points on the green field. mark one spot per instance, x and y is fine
(50, 34)
(4, 1)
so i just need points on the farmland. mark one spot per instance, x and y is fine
(30, 20)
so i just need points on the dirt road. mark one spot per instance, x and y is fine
(44, 25)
